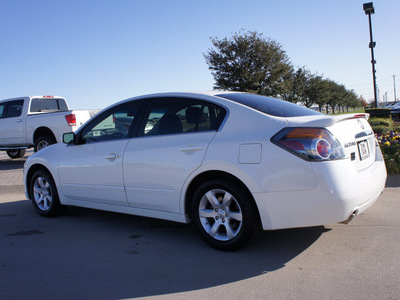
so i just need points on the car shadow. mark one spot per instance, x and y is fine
(93, 254)
(12, 164)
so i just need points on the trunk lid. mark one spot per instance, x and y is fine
(357, 139)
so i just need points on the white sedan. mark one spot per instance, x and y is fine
(224, 161)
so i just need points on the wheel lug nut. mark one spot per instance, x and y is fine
(216, 209)
(223, 220)
(226, 215)
(216, 218)
(222, 207)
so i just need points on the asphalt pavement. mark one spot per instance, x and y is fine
(100, 255)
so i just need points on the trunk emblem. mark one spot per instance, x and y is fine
(361, 124)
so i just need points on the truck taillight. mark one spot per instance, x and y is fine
(315, 144)
(71, 119)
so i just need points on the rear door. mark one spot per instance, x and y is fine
(172, 143)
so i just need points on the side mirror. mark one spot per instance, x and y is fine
(69, 138)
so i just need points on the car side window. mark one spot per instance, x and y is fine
(112, 125)
(2, 110)
(12, 109)
(182, 116)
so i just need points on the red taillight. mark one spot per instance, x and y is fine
(71, 119)
(324, 149)
(310, 143)
(292, 145)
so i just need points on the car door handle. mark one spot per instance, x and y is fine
(19, 120)
(112, 156)
(191, 148)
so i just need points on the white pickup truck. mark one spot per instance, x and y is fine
(36, 121)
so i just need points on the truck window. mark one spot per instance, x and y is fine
(48, 105)
(11, 109)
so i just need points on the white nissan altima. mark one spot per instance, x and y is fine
(224, 161)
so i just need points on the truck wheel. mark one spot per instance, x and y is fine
(223, 214)
(16, 153)
(43, 141)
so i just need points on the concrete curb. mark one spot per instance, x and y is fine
(393, 180)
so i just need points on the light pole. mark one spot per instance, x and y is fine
(369, 10)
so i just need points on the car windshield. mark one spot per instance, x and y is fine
(270, 106)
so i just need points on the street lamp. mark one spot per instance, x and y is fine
(369, 10)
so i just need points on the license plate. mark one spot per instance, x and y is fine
(363, 149)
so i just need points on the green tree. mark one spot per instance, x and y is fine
(335, 94)
(303, 86)
(318, 91)
(350, 100)
(248, 62)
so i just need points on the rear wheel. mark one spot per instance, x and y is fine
(43, 141)
(43, 193)
(16, 153)
(223, 214)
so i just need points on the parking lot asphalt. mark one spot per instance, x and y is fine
(11, 169)
(92, 254)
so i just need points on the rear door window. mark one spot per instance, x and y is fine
(174, 116)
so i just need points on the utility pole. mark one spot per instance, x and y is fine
(394, 87)
(369, 9)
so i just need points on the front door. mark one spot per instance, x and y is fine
(92, 170)
(12, 123)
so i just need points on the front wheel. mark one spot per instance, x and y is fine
(43, 194)
(16, 153)
(223, 214)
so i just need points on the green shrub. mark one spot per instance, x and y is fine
(379, 112)
(381, 125)
(380, 129)
(391, 154)
(388, 136)
(381, 121)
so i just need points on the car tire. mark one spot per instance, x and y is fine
(43, 141)
(223, 214)
(16, 153)
(44, 195)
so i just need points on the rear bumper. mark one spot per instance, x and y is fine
(341, 190)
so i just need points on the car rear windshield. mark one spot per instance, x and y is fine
(48, 105)
(270, 106)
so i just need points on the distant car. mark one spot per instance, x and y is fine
(224, 161)
(395, 109)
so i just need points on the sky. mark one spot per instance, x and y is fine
(97, 52)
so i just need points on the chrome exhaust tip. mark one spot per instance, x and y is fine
(349, 219)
